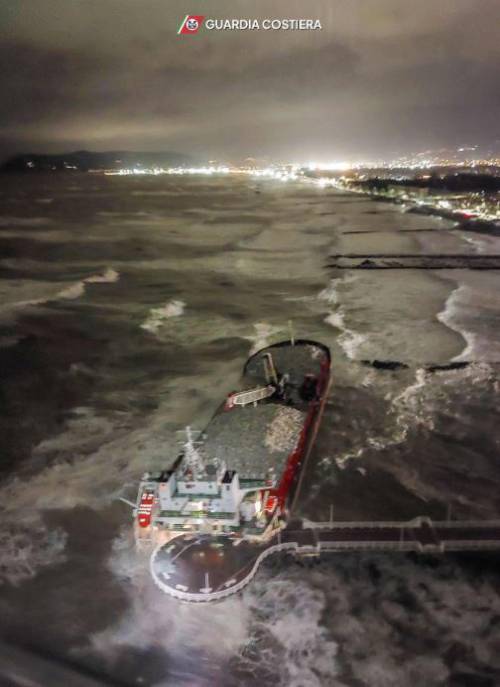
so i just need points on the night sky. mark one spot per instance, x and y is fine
(382, 77)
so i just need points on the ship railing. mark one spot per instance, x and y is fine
(220, 593)
(259, 393)
(194, 496)
(292, 546)
(248, 482)
(260, 487)
(196, 514)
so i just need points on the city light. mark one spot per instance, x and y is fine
(355, 177)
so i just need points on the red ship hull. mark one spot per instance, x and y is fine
(296, 458)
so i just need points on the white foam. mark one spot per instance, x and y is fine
(352, 343)
(299, 299)
(201, 635)
(262, 336)
(77, 289)
(336, 319)
(289, 610)
(95, 454)
(416, 407)
(109, 276)
(410, 408)
(27, 546)
(71, 292)
(449, 315)
(84, 428)
(158, 316)
(81, 477)
(473, 311)
(349, 340)
(274, 627)
(478, 245)
(330, 293)
(483, 243)
(90, 460)
(52, 291)
(377, 628)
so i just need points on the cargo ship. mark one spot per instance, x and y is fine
(237, 477)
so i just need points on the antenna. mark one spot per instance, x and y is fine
(129, 503)
(269, 369)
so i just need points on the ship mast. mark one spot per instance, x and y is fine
(192, 456)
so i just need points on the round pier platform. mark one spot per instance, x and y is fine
(205, 568)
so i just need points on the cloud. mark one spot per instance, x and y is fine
(116, 74)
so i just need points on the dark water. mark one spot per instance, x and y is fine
(127, 308)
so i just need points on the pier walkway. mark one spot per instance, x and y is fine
(201, 568)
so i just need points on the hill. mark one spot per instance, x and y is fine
(84, 160)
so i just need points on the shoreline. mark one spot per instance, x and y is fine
(452, 343)
(479, 226)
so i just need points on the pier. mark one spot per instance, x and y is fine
(393, 261)
(203, 568)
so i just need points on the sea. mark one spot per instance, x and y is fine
(128, 306)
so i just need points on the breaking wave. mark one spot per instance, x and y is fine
(274, 630)
(472, 310)
(76, 290)
(71, 292)
(158, 316)
(394, 620)
(288, 636)
(26, 547)
(87, 465)
(263, 335)
(330, 293)
(449, 316)
(349, 340)
(417, 405)
(198, 641)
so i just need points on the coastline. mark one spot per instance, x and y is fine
(422, 296)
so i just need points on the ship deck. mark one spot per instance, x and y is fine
(297, 360)
(256, 438)
(202, 564)
(253, 440)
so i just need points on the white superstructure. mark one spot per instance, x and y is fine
(199, 496)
